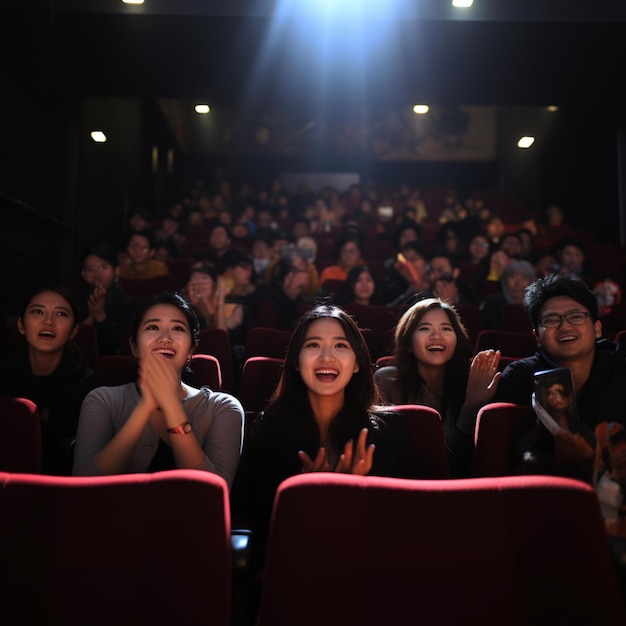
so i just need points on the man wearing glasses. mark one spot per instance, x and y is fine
(564, 315)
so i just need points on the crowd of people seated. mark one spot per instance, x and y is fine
(311, 265)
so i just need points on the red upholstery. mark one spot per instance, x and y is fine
(472, 319)
(614, 321)
(205, 370)
(130, 549)
(498, 425)
(258, 380)
(378, 318)
(20, 444)
(216, 341)
(526, 550)
(114, 370)
(516, 345)
(429, 458)
(515, 319)
(266, 341)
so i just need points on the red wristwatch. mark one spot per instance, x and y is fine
(183, 429)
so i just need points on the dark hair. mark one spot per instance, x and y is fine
(457, 369)
(347, 293)
(173, 299)
(205, 267)
(570, 241)
(553, 286)
(233, 258)
(416, 246)
(454, 260)
(345, 238)
(148, 233)
(406, 225)
(360, 393)
(65, 292)
(102, 250)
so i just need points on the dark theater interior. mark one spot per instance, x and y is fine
(323, 96)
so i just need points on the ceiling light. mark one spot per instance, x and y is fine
(553, 108)
(420, 109)
(132, 1)
(202, 108)
(462, 4)
(525, 142)
(98, 136)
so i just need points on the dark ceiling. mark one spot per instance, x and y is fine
(505, 53)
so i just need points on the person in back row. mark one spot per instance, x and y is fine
(141, 248)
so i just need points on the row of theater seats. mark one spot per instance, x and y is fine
(343, 550)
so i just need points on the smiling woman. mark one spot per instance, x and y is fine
(322, 417)
(46, 367)
(432, 368)
(159, 422)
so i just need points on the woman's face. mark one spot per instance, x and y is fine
(350, 254)
(201, 285)
(98, 271)
(164, 330)
(516, 284)
(434, 339)
(48, 322)
(364, 286)
(556, 397)
(479, 248)
(326, 361)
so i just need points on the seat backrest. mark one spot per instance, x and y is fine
(429, 457)
(258, 380)
(516, 345)
(216, 341)
(472, 319)
(20, 444)
(266, 341)
(87, 340)
(117, 369)
(498, 427)
(347, 549)
(125, 549)
(515, 319)
(205, 370)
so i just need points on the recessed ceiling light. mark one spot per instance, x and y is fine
(132, 1)
(98, 136)
(202, 108)
(420, 109)
(553, 108)
(462, 4)
(525, 142)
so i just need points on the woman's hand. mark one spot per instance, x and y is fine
(320, 464)
(160, 379)
(357, 461)
(483, 379)
(95, 303)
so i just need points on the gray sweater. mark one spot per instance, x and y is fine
(216, 418)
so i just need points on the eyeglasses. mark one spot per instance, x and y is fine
(575, 318)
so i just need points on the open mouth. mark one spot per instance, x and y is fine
(326, 375)
(168, 354)
(566, 338)
(437, 347)
(47, 334)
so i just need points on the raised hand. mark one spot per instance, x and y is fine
(357, 461)
(320, 464)
(483, 379)
(160, 379)
(95, 303)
